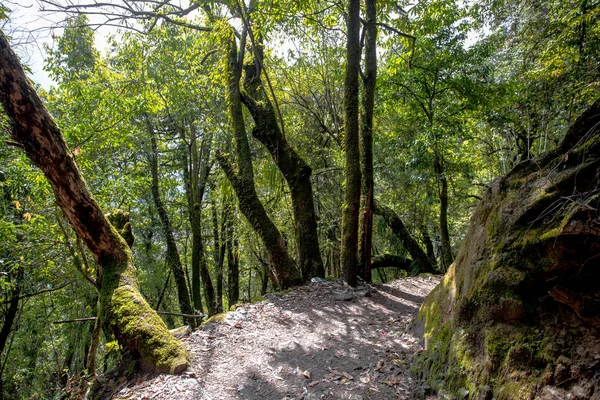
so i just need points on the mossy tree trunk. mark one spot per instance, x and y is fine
(196, 168)
(351, 207)
(241, 177)
(123, 310)
(366, 141)
(517, 315)
(172, 258)
(422, 262)
(294, 169)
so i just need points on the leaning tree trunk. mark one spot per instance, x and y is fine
(242, 180)
(294, 169)
(350, 211)
(366, 142)
(172, 259)
(420, 259)
(517, 315)
(123, 310)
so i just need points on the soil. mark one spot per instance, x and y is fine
(323, 340)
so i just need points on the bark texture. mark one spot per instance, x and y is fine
(446, 257)
(350, 210)
(421, 261)
(366, 141)
(294, 169)
(517, 315)
(123, 310)
(241, 178)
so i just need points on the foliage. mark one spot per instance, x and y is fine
(479, 87)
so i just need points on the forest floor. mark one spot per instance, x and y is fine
(319, 341)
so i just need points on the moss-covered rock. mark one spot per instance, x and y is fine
(502, 322)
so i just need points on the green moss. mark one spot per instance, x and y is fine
(257, 299)
(220, 317)
(330, 278)
(496, 345)
(140, 329)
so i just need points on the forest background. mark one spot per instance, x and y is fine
(464, 92)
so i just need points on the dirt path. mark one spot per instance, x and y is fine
(320, 341)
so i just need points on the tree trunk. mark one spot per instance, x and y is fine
(294, 169)
(366, 142)
(172, 258)
(196, 169)
(428, 243)
(422, 262)
(447, 257)
(233, 266)
(517, 315)
(218, 253)
(124, 312)
(350, 211)
(242, 180)
(392, 261)
(13, 308)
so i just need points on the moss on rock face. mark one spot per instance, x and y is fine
(490, 327)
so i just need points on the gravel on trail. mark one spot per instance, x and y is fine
(323, 340)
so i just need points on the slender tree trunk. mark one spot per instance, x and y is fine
(351, 206)
(172, 258)
(13, 308)
(423, 263)
(123, 310)
(219, 253)
(233, 274)
(196, 170)
(294, 169)
(242, 179)
(447, 256)
(428, 243)
(366, 142)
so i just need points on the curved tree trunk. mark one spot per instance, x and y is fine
(123, 310)
(242, 179)
(173, 260)
(517, 315)
(351, 208)
(423, 263)
(392, 261)
(294, 169)
(366, 142)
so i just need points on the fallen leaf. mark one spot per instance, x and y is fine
(306, 374)
(347, 375)
(313, 383)
(379, 366)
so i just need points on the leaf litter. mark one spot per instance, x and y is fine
(322, 340)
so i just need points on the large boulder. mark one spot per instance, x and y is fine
(517, 315)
